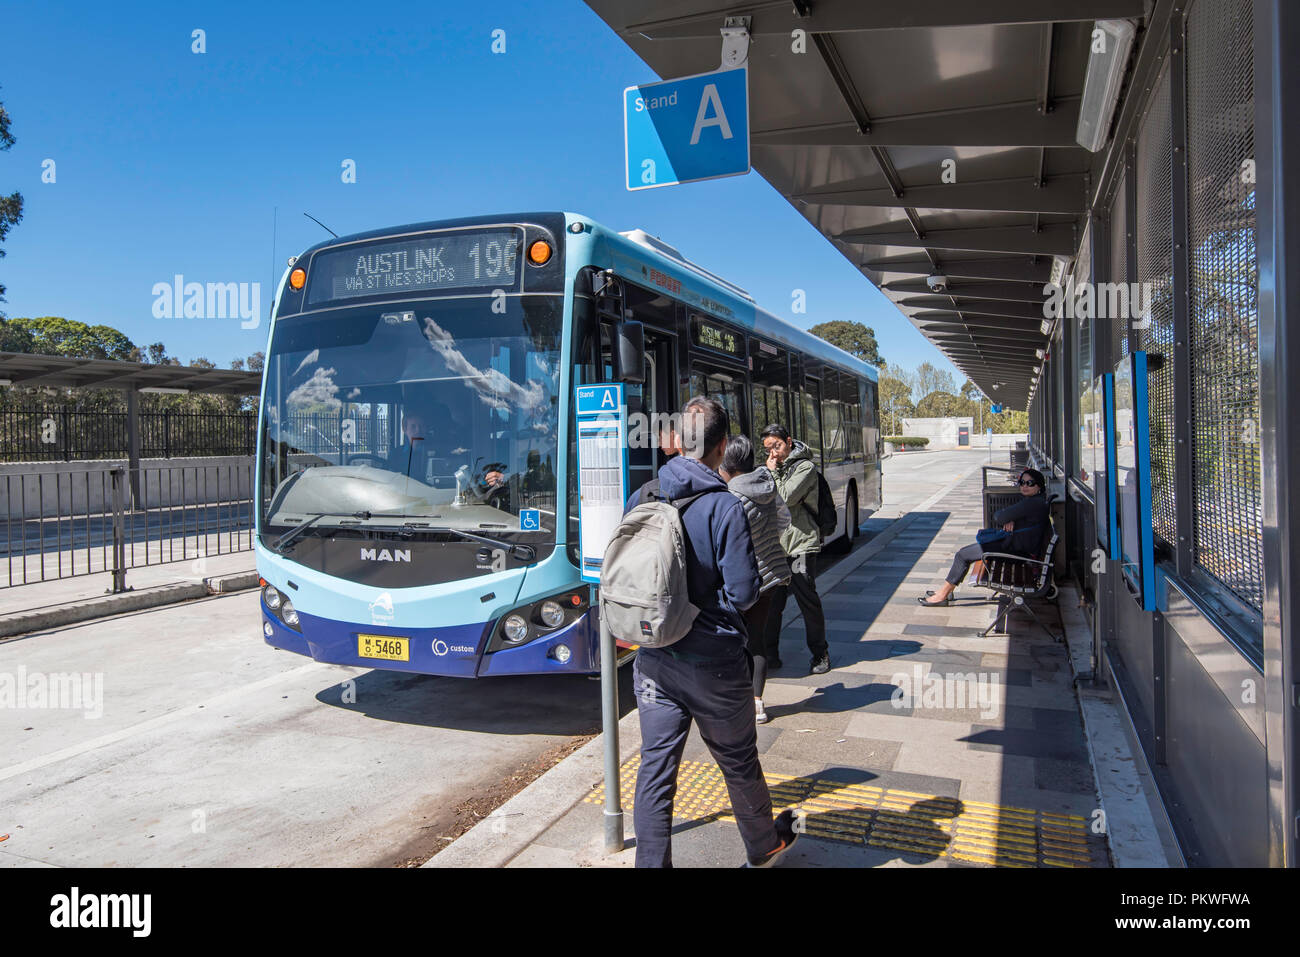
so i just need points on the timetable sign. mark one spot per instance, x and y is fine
(602, 470)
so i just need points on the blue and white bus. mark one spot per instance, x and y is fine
(416, 461)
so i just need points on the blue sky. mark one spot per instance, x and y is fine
(169, 162)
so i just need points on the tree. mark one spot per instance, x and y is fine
(11, 206)
(56, 336)
(941, 405)
(931, 379)
(895, 401)
(853, 337)
(969, 390)
(905, 376)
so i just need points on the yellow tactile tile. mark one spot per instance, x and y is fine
(929, 825)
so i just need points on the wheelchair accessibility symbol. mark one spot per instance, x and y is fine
(530, 520)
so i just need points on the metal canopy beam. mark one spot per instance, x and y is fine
(977, 307)
(1007, 270)
(991, 291)
(949, 321)
(30, 370)
(1007, 341)
(777, 18)
(1051, 240)
(1006, 124)
(1060, 194)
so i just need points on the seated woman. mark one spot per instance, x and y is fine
(1024, 520)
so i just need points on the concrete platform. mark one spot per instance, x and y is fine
(925, 745)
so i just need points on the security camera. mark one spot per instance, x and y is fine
(937, 282)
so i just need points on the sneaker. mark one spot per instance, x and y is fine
(785, 831)
(760, 716)
(820, 665)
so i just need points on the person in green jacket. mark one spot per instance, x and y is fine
(791, 462)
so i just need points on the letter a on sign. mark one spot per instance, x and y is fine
(718, 119)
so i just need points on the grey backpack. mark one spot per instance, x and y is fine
(643, 594)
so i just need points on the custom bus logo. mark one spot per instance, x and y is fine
(381, 609)
(384, 555)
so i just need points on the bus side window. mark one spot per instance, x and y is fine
(811, 429)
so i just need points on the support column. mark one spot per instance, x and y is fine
(133, 445)
(1277, 198)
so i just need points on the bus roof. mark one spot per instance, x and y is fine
(652, 250)
(747, 313)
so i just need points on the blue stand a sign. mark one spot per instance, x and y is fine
(686, 129)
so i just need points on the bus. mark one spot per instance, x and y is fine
(418, 505)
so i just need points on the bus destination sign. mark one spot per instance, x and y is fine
(470, 260)
(717, 338)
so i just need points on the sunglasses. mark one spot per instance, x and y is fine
(1026, 482)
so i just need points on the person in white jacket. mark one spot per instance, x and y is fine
(768, 517)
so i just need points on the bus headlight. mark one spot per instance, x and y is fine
(562, 654)
(267, 629)
(551, 614)
(514, 628)
(271, 597)
(289, 614)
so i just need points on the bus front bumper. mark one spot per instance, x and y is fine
(454, 650)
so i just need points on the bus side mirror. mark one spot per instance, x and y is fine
(629, 352)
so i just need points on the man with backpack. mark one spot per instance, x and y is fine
(799, 483)
(704, 675)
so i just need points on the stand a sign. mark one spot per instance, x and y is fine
(687, 129)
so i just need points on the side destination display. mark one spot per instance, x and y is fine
(602, 470)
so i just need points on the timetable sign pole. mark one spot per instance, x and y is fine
(602, 491)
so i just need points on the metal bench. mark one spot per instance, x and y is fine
(1013, 579)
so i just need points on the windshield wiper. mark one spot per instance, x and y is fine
(288, 538)
(295, 533)
(525, 553)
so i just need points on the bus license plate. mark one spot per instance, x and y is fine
(384, 646)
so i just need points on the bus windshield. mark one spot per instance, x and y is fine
(423, 415)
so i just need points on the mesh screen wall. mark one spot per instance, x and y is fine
(1228, 535)
(1118, 266)
(1155, 278)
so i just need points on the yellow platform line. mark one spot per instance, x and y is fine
(937, 826)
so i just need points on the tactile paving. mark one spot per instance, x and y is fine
(930, 825)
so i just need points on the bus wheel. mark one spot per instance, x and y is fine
(851, 515)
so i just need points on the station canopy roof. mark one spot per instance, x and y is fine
(855, 132)
(27, 370)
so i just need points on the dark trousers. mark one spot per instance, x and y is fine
(960, 564)
(716, 695)
(756, 626)
(803, 583)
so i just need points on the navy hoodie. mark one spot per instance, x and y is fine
(721, 570)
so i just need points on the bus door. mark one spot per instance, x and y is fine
(654, 401)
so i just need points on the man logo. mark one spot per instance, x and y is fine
(384, 555)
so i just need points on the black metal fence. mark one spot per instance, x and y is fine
(66, 523)
(47, 435)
